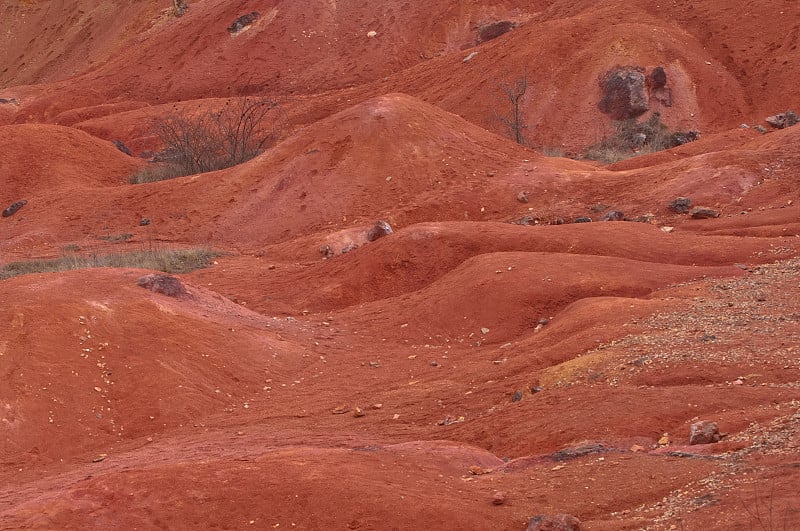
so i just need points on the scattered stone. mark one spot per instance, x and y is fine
(525, 220)
(10, 101)
(517, 396)
(704, 432)
(578, 451)
(243, 22)
(379, 230)
(434, 363)
(498, 498)
(536, 389)
(469, 57)
(704, 213)
(99, 458)
(476, 470)
(144, 222)
(583, 219)
(450, 420)
(664, 440)
(358, 412)
(14, 207)
(122, 147)
(558, 522)
(484, 330)
(340, 410)
(782, 120)
(160, 283)
(680, 205)
(349, 247)
(493, 30)
(667, 229)
(372, 34)
(613, 215)
(326, 252)
(624, 93)
(522, 197)
(180, 7)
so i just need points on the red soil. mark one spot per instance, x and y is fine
(401, 383)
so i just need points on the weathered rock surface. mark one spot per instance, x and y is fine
(558, 522)
(704, 432)
(160, 283)
(624, 93)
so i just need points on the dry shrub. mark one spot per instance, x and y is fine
(166, 260)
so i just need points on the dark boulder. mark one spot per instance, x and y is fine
(242, 22)
(680, 205)
(493, 30)
(624, 93)
(583, 219)
(13, 208)
(657, 78)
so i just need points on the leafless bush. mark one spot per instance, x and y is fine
(513, 120)
(213, 140)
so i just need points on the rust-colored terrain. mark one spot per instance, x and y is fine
(488, 361)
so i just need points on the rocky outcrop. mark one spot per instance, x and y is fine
(704, 432)
(680, 205)
(782, 120)
(624, 93)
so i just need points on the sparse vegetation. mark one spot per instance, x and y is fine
(156, 172)
(513, 119)
(169, 261)
(212, 140)
(633, 138)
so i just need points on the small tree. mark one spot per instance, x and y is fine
(514, 94)
(214, 140)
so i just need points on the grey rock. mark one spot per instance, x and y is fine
(14, 207)
(613, 215)
(583, 219)
(680, 205)
(379, 230)
(704, 213)
(704, 432)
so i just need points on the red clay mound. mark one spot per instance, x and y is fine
(392, 157)
(415, 256)
(91, 358)
(39, 159)
(508, 293)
